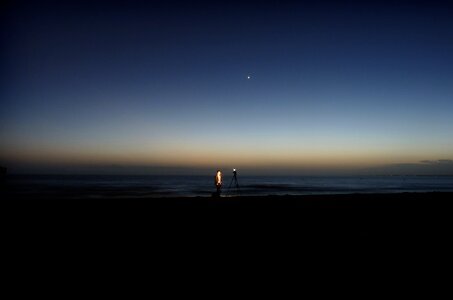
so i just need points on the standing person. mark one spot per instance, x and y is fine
(218, 182)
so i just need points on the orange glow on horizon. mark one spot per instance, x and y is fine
(307, 156)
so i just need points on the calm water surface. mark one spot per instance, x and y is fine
(169, 186)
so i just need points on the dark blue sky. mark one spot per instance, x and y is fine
(333, 84)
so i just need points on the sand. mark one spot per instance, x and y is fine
(403, 215)
(191, 236)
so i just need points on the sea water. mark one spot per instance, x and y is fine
(143, 186)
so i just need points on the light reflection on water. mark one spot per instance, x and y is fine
(169, 186)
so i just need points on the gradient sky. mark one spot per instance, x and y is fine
(334, 86)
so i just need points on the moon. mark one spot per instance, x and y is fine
(248, 77)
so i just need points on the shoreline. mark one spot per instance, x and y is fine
(86, 194)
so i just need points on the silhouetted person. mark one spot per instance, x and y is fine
(218, 183)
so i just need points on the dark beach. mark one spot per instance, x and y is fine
(169, 234)
(397, 215)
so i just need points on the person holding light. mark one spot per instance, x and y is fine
(218, 183)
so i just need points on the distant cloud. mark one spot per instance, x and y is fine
(445, 161)
(423, 167)
(437, 162)
(427, 161)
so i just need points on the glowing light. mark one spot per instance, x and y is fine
(218, 178)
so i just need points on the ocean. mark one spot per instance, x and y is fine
(149, 186)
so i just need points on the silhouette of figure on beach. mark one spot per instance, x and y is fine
(218, 183)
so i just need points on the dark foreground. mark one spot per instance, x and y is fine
(180, 237)
(393, 216)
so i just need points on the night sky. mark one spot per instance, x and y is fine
(318, 87)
